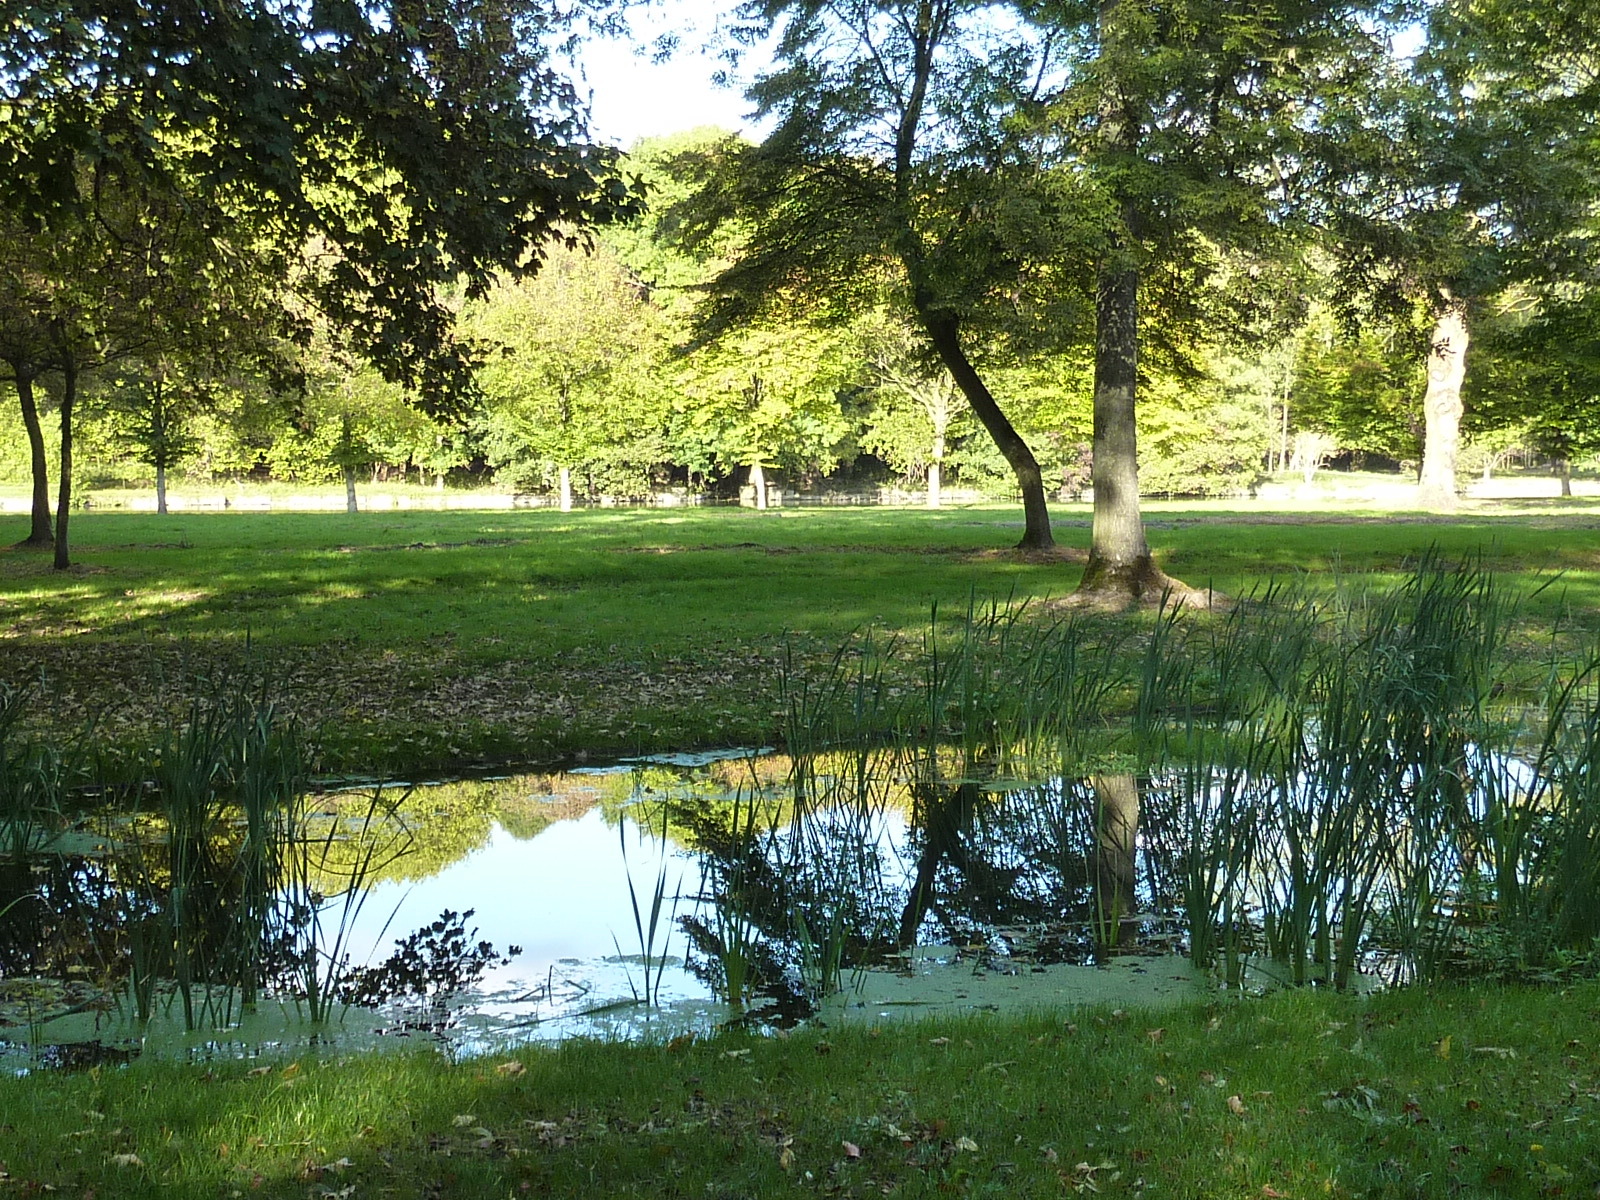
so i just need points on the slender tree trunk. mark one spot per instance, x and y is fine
(758, 484)
(1120, 568)
(350, 505)
(564, 483)
(945, 336)
(69, 397)
(161, 488)
(1441, 409)
(1116, 802)
(1564, 473)
(936, 472)
(40, 534)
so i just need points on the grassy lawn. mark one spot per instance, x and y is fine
(1481, 1092)
(415, 640)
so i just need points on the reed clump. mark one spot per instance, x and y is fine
(1373, 782)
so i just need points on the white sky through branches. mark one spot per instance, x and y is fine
(634, 96)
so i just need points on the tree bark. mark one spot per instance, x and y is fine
(69, 397)
(758, 484)
(936, 473)
(40, 533)
(1441, 409)
(350, 505)
(1120, 569)
(944, 333)
(161, 489)
(564, 485)
(1564, 473)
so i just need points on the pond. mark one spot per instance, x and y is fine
(669, 896)
(844, 911)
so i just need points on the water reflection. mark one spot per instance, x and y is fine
(777, 884)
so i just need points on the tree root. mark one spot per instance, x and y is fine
(1107, 588)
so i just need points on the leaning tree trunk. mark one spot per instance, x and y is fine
(945, 336)
(40, 534)
(69, 397)
(1441, 409)
(1120, 568)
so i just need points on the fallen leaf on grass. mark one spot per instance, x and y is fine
(1236, 1106)
(851, 1150)
(126, 1160)
(512, 1069)
(462, 1120)
(967, 1144)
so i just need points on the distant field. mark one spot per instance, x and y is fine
(424, 638)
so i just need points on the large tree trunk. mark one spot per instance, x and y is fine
(945, 336)
(69, 397)
(40, 534)
(1120, 568)
(1441, 409)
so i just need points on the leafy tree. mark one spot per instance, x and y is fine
(411, 146)
(917, 408)
(1482, 175)
(765, 398)
(151, 408)
(24, 354)
(1195, 126)
(576, 383)
(890, 157)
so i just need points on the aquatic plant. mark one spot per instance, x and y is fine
(648, 923)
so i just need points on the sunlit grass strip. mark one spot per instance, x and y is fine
(1481, 1091)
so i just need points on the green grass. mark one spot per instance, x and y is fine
(417, 640)
(1477, 1092)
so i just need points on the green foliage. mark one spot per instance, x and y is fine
(1363, 390)
(576, 375)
